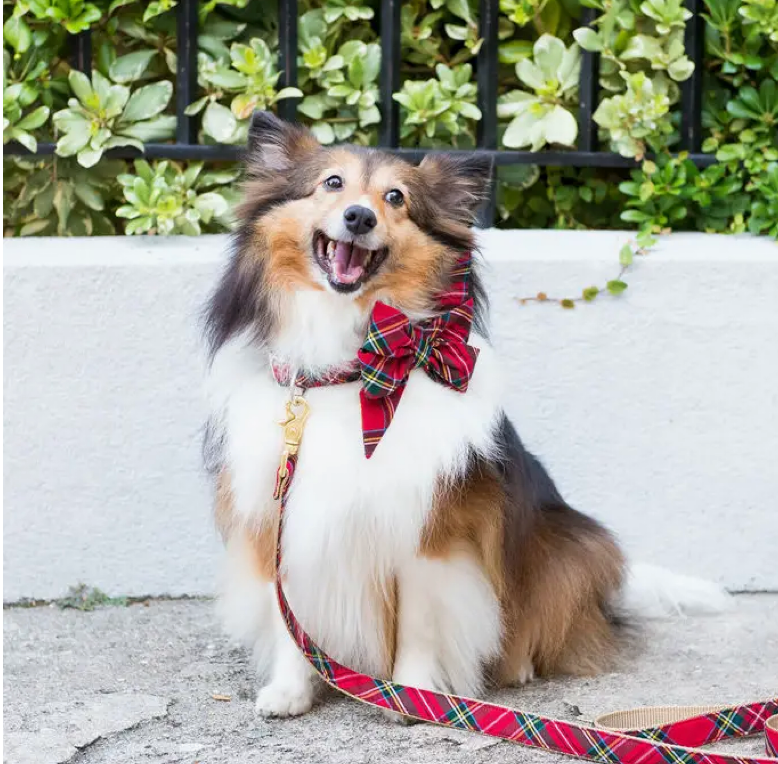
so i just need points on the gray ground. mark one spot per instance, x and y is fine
(137, 684)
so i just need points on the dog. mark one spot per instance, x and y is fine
(448, 560)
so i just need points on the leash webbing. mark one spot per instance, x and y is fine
(667, 735)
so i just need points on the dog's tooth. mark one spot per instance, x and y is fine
(331, 249)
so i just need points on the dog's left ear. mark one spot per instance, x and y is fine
(460, 184)
(276, 146)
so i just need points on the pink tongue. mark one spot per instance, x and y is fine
(348, 263)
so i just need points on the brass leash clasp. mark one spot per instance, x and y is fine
(297, 411)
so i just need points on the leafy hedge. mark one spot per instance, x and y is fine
(128, 100)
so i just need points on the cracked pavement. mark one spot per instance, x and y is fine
(141, 684)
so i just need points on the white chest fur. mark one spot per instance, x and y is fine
(350, 521)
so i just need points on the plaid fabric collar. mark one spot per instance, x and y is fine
(394, 347)
(304, 379)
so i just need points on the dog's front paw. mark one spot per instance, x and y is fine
(280, 700)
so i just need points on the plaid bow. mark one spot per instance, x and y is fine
(394, 347)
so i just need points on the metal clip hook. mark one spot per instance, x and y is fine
(297, 411)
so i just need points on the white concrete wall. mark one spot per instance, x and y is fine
(657, 412)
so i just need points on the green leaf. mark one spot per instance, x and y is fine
(738, 108)
(219, 122)
(139, 225)
(196, 107)
(131, 67)
(228, 79)
(289, 93)
(520, 131)
(356, 71)
(634, 216)
(369, 116)
(217, 178)
(626, 255)
(34, 227)
(89, 196)
(17, 34)
(313, 106)
(681, 69)
(123, 140)
(344, 130)
(72, 142)
(456, 32)
(469, 110)
(567, 303)
(323, 133)
(519, 175)
(81, 86)
(616, 286)
(590, 293)
(119, 4)
(148, 101)
(514, 51)
(44, 201)
(549, 51)
(63, 202)
(157, 129)
(89, 157)
(514, 103)
(588, 39)
(156, 8)
(34, 119)
(460, 8)
(340, 91)
(372, 64)
(25, 139)
(730, 152)
(560, 126)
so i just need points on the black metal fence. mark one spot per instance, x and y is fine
(585, 155)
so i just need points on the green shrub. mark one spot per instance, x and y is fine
(128, 99)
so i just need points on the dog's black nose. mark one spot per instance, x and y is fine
(359, 219)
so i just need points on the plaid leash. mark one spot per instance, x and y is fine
(669, 735)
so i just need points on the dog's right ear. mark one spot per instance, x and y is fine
(276, 146)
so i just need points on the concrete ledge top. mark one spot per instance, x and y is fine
(497, 246)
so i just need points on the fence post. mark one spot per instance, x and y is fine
(186, 70)
(488, 63)
(389, 129)
(691, 90)
(81, 52)
(588, 88)
(287, 55)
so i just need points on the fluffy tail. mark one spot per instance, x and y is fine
(652, 592)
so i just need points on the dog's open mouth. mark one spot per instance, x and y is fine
(346, 264)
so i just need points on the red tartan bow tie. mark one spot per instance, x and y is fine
(394, 347)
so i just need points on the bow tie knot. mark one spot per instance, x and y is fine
(394, 347)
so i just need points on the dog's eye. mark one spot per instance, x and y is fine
(333, 183)
(394, 197)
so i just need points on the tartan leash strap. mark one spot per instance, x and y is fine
(665, 735)
(394, 347)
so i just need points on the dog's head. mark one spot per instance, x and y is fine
(361, 224)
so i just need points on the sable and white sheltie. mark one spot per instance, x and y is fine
(448, 560)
